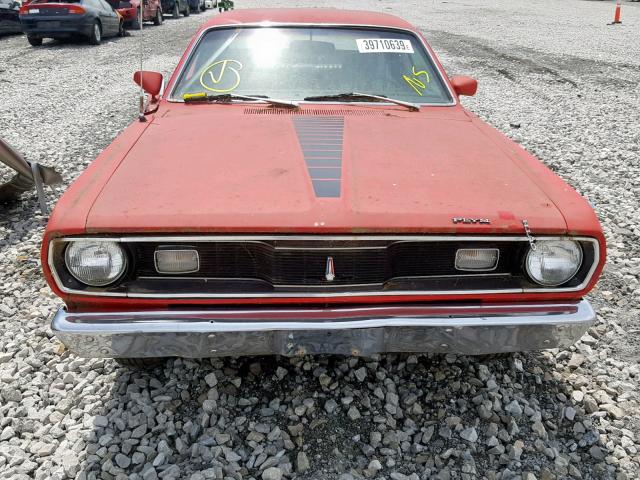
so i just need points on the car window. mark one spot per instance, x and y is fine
(93, 4)
(102, 5)
(298, 62)
(105, 6)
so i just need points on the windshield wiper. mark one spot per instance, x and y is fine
(355, 96)
(229, 97)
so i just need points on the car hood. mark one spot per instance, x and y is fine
(223, 168)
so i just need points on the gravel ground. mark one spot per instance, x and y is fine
(553, 76)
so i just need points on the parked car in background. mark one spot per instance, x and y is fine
(91, 19)
(130, 11)
(176, 7)
(9, 17)
(322, 221)
(210, 3)
(197, 6)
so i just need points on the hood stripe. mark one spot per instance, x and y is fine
(320, 140)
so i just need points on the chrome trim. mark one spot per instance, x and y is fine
(398, 238)
(319, 286)
(328, 285)
(279, 285)
(464, 329)
(455, 263)
(329, 271)
(246, 279)
(310, 237)
(155, 260)
(414, 33)
(409, 293)
(331, 249)
(466, 275)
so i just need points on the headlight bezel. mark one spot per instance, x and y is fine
(540, 245)
(93, 284)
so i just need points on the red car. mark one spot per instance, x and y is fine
(350, 205)
(129, 10)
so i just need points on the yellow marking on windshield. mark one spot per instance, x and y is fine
(216, 77)
(414, 82)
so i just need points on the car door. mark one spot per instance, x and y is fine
(4, 16)
(95, 8)
(109, 17)
(9, 22)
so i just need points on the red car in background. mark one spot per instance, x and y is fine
(129, 10)
(352, 206)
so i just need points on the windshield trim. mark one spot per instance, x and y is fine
(443, 77)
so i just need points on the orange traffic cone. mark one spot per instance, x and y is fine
(616, 18)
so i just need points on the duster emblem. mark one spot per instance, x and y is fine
(329, 272)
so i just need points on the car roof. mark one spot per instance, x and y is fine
(309, 16)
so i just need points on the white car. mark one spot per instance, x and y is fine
(210, 4)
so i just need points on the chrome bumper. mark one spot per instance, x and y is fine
(462, 329)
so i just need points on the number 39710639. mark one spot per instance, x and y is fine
(384, 45)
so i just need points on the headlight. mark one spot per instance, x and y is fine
(554, 262)
(95, 263)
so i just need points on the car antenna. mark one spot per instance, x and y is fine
(141, 116)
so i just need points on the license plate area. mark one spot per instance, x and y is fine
(52, 24)
(359, 341)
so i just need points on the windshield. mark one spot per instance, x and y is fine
(294, 63)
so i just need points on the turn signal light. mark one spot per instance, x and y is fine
(177, 261)
(477, 259)
(76, 9)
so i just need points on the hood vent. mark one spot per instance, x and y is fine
(320, 139)
(316, 112)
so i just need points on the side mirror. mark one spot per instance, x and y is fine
(464, 85)
(151, 82)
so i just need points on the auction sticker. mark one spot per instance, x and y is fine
(384, 45)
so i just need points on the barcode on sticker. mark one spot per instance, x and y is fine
(384, 45)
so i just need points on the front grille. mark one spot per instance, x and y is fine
(291, 264)
(278, 266)
(296, 266)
